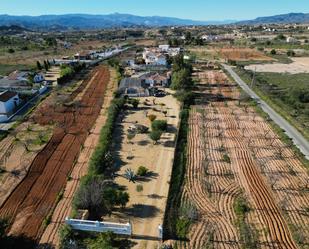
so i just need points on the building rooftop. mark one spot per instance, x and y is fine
(7, 95)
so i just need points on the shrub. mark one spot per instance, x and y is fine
(241, 207)
(139, 188)
(152, 117)
(159, 125)
(290, 53)
(142, 171)
(226, 158)
(182, 227)
(11, 51)
(273, 52)
(134, 102)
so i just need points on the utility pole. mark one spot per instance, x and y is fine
(253, 78)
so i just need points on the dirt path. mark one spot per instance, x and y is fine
(63, 209)
(35, 196)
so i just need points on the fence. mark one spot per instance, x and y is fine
(96, 226)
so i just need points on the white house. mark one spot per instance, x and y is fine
(38, 78)
(164, 48)
(291, 39)
(152, 58)
(8, 102)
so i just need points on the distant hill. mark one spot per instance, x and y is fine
(285, 18)
(84, 21)
(12, 29)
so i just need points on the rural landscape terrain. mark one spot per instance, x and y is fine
(122, 131)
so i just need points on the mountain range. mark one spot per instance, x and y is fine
(86, 21)
(277, 19)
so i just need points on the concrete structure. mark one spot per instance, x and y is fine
(8, 102)
(96, 226)
(133, 87)
(38, 78)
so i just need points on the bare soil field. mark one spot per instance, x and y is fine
(233, 153)
(17, 151)
(50, 236)
(299, 65)
(146, 207)
(30, 57)
(34, 198)
(243, 54)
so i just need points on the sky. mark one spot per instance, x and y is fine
(191, 9)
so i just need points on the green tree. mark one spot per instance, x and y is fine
(45, 65)
(290, 53)
(38, 65)
(155, 136)
(11, 51)
(142, 171)
(273, 52)
(181, 79)
(102, 241)
(160, 125)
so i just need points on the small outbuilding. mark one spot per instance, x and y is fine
(9, 100)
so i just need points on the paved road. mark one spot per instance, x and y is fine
(298, 139)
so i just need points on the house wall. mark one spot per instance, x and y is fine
(7, 107)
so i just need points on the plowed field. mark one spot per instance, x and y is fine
(34, 198)
(233, 153)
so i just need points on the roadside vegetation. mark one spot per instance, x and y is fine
(175, 222)
(288, 94)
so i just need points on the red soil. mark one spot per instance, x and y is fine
(34, 198)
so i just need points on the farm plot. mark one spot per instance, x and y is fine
(299, 65)
(34, 198)
(243, 54)
(248, 188)
(17, 151)
(63, 209)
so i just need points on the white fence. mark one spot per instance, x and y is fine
(96, 226)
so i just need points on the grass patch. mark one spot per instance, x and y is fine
(6, 69)
(247, 234)
(287, 94)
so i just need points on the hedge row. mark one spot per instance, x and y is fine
(68, 72)
(101, 158)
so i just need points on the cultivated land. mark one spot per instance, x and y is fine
(299, 65)
(243, 54)
(73, 117)
(23, 59)
(146, 208)
(17, 152)
(64, 207)
(248, 188)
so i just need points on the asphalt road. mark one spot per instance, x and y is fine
(298, 139)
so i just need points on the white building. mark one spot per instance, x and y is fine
(291, 40)
(8, 102)
(164, 48)
(38, 78)
(152, 58)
